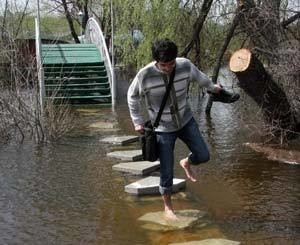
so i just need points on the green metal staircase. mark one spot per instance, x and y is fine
(75, 73)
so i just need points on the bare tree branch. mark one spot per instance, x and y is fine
(221, 52)
(290, 20)
(70, 22)
(22, 18)
(229, 36)
(4, 19)
(198, 26)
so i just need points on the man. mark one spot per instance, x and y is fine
(176, 120)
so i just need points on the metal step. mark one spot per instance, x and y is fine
(69, 45)
(75, 73)
(78, 80)
(66, 92)
(74, 68)
(81, 97)
(71, 89)
(72, 53)
(64, 73)
(57, 95)
(70, 60)
(59, 85)
(97, 63)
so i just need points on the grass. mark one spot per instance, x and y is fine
(56, 26)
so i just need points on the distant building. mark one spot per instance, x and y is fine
(20, 53)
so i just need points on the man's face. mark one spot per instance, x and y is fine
(166, 67)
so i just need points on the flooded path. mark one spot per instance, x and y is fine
(67, 192)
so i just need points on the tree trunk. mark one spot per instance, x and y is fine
(272, 44)
(220, 55)
(258, 84)
(290, 20)
(221, 52)
(198, 26)
(70, 22)
(83, 6)
(86, 14)
(4, 20)
(22, 18)
(262, 24)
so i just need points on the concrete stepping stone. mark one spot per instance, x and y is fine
(120, 140)
(186, 218)
(213, 241)
(103, 126)
(137, 168)
(89, 110)
(133, 155)
(147, 198)
(150, 185)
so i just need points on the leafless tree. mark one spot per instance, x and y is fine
(195, 40)
(271, 43)
(21, 115)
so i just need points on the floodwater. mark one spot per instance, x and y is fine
(67, 193)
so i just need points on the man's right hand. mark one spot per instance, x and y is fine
(139, 128)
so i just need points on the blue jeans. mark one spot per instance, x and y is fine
(192, 137)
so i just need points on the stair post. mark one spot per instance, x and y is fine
(38, 57)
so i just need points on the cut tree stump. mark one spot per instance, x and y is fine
(258, 84)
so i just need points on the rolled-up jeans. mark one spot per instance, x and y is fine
(191, 136)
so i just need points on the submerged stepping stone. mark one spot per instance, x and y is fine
(120, 140)
(133, 155)
(89, 114)
(186, 218)
(150, 185)
(157, 198)
(85, 110)
(213, 241)
(102, 125)
(138, 168)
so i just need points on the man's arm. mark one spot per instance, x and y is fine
(204, 80)
(218, 93)
(133, 100)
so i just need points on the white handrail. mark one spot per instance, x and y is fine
(93, 34)
(38, 48)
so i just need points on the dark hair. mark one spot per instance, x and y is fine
(164, 50)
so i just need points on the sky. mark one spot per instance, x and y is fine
(20, 4)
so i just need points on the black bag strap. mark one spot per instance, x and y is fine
(164, 100)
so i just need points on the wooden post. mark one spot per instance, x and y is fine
(258, 84)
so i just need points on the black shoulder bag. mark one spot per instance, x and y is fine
(148, 139)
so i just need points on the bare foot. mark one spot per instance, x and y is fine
(170, 215)
(184, 163)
